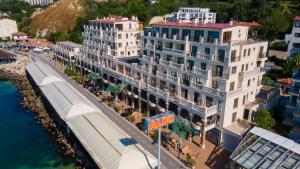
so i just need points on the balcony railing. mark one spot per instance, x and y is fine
(208, 90)
(201, 72)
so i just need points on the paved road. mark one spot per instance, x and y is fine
(168, 160)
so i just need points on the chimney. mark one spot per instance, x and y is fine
(231, 21)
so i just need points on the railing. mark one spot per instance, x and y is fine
(208, 90)
(176, 65)
(201, 72)
(164, 62)
(172, 78)
(178, 51)
(162, 75)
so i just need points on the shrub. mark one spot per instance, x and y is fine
(110, 103)
(264, 119)
(117, 108)
(154, 136)
(191, 162)
(130, 118)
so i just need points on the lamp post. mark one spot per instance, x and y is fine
(159, 144)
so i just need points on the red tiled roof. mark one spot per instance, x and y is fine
(297, 18)
(18, 34)
(197, 25)
(287, 81)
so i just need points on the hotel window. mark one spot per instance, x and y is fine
(186, 32)
(207, 51)
(221, 55)
(249, 51)
(120, 36)
(244, 99)
(249, 82)
(198, 34)
(233, 56)
(297, 24)
(203, 66)
(226, 37)
(235, 102)
(233, 117)
(297, 35)
(231, 87)
(175, 32)
(194, 51)
(245, 53)
(247, 66)
(296, 45)
(233, 70)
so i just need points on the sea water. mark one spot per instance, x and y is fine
(25, 144)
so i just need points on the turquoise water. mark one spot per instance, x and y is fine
(24, 144)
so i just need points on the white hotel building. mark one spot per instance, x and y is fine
(207, 73)
(201, 15)
(65, 52)
(294, 45)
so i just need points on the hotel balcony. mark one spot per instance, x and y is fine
(147, 59)
(173, 51)
(208, 89)
(199, 109)
(157, 92)
(201, 73)
(171, 64)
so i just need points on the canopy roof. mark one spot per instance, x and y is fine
(264, 149)
(66, 101)
(42, 74)
(107, 144)
(112, 148)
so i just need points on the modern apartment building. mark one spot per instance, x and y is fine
(64, 52)
(113, 36)
(292, 114)
(294, 45)
(39, 2)
(201, 15)
(206, 73)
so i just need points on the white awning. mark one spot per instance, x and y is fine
(42, 74)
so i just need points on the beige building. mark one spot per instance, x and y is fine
(115, 36)
(206, 73)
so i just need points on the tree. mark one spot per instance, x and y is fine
(275, 24)
(115, 90)
(291, 65)
(264, 119)
(181, 127)
(93, 76)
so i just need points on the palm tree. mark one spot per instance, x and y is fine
(93, 76)
(181, 127)
(115, 90)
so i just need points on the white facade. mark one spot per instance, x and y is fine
(39, 2)
(7, 27)
(64, 52)
(294, 45)
(118, 36)
(206, 73)
(202, 15)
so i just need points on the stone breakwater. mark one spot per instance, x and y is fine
(33, 103)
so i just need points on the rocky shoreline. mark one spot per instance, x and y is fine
(33, 103)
